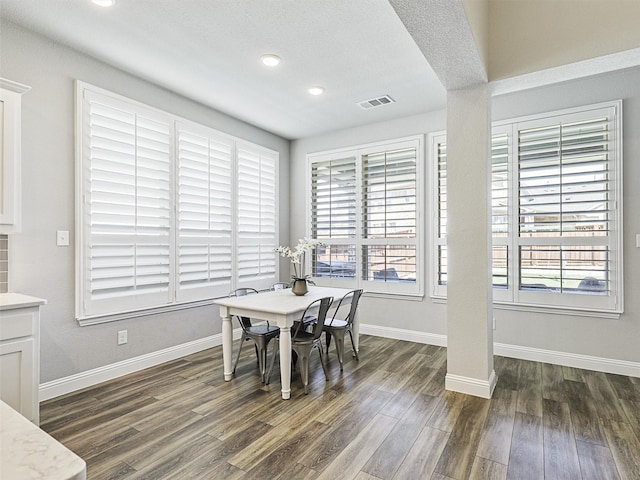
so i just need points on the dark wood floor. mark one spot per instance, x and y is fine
(385, 417)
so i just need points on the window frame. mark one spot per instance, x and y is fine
(392, 288)
(513, 297)
(125, 306)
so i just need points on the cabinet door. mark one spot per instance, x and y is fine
(10, 143)
(16, 376)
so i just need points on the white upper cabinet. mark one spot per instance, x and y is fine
(10, 146)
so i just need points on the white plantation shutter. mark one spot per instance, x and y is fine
(204, 213)
(567, 207)
(439, 189)
(556, 210)
(499, 210)
(256, 216)
(364, 209)
(500, 213)
(389, 188)
(333, 216)
(127, 206)
(171, 214)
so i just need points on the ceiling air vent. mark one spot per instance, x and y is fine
(376, 102)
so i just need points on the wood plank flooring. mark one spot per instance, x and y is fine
(385, 417)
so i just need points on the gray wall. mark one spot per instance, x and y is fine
(37, 266)
(617, 339)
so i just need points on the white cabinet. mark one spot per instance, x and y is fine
(20, 353)
(10, 146)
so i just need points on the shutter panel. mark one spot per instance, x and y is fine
(564, 206)
(441, 198)
(256, 219)
(333, 217)
(389, 184)
(128, 207)
(389, 214)
(500, 209)
(204, 214)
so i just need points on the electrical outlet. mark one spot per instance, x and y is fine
(122, 337)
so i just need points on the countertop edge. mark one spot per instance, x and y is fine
(9, 301)
(29, 452)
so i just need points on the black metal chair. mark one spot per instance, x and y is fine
(303, 342)
(260, 334)
(338, 327)
(280, 286)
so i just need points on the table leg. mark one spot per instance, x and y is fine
(285, 361)
(227, 347)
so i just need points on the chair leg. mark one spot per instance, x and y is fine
(304, 370)
(324, 367)
(242, 340)
(353, 345)
(328, 339)
(340, 349)
(273, 360)
(262, 362)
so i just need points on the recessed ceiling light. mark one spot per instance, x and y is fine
(104, 3)
(316, 90)
(270, 60)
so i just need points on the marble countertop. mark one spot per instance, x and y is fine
(9, 301)
(29, 453)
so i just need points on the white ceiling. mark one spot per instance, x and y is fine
(209, 50)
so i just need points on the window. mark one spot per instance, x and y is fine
(169, 212)
(364, 208)
(556, 210)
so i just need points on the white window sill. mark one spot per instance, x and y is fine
(553, 310)
(86, 321)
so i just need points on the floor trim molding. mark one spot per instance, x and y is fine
(471, 386)
(88, 378)
(78, 381)
(588, 362)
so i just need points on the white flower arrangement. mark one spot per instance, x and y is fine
(297, 255)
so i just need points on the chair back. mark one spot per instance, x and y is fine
(241, 292)
(279, 286)
(355, 298)
(323, 305)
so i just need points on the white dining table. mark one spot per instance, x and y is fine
(279, 307)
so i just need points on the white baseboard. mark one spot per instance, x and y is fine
(78, 381)
(471, 386)
(575, 360)
(401, 334)
(81, 380)
(598, 364)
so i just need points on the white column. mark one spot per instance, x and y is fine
(469, 291)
